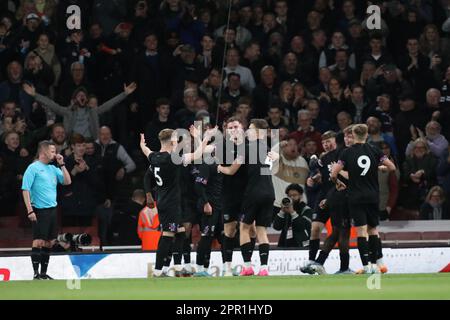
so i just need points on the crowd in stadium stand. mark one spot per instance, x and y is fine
(306, 66)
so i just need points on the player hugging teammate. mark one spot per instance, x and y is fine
(348, 196)
(361, 161)
(236, 192)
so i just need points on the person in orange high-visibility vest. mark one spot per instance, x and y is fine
(148, 228)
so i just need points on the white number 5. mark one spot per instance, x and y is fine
(159, 181)
(364, 163)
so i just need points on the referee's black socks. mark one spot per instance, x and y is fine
(36, 259)
(363, 249)
(45, 257)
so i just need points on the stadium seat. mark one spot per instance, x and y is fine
(392, 236)
(436, 235)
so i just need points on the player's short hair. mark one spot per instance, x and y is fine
(233, 119)
(260, 123)
(360, 131)
(349, 129)
(44, 145)
(328, 135)
(77, 138)
(165, 135)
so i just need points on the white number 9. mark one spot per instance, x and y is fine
(364, 163)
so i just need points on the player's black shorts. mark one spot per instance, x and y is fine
(170, 219)
(364, 214)
(208, 224)
(321, 215)
(45, 228)
(188, 212)
(232, 211)
(340, 215)
(259, 211)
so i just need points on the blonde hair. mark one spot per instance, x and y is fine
(436, 189)
(423, 141)
(165, 135)
(360, 131)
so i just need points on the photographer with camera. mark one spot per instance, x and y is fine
(294, 219)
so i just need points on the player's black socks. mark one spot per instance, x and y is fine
(36, 259)
(322, 257)
(363, 249)
(168, 259)
(222, 249)
(202, 250)
(246, 250)
(345, 260)
(264, 253)
(207, 258)
(373, 248)
(165, 244)
(178, 247)
(228, 244)
(313, 248)
(253, 242)
(187, 250)
(45, 257)
(379, 249)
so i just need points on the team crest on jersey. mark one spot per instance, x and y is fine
(173, 227)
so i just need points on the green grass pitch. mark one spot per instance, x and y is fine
(417, 286)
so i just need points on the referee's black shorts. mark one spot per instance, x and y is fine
(45, 228)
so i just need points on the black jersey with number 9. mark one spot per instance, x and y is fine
(361, 161)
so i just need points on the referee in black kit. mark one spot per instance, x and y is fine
(39, 194)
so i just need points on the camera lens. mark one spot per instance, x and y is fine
(65, 237)
(82, 239)
(286, 202)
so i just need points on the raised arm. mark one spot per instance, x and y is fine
(198, 153)
(108, 105)
(46, 102)
(145, 150)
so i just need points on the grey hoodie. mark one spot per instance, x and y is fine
(70, 113)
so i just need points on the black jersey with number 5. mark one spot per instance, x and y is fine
(362, 161)
(167, 180)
